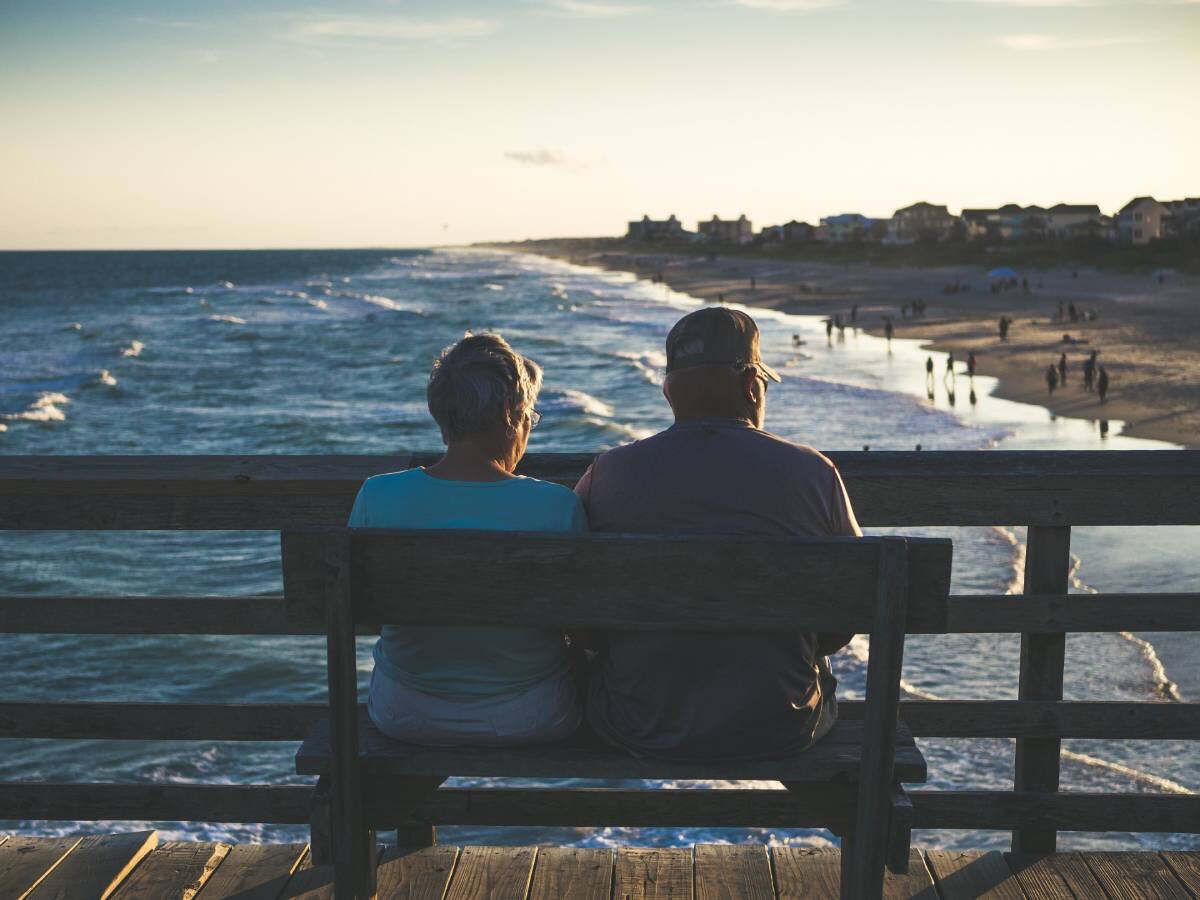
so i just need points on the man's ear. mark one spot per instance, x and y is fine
(750, 385)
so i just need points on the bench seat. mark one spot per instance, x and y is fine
(835, 758)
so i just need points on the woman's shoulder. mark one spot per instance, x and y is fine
(390, 481)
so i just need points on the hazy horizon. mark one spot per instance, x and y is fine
(267, 125)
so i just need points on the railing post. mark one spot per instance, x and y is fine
(1047, 567)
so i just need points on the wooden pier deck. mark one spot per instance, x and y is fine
(139, 866)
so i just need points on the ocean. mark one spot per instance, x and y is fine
(328, 352)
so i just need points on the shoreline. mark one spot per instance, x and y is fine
(1147, 333)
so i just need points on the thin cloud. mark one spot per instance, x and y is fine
(590, 9)
(1040, 42)
(390, 28)
(544, 157)
(789, 5)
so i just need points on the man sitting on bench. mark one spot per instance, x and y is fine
(693, 696)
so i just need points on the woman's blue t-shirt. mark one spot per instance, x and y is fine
(467, 662)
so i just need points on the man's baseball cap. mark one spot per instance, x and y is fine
(715, 335)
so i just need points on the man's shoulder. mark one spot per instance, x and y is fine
(752, 440)
(773, 443)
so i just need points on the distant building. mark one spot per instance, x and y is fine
(848, 227)
(792, 232)
(1142, 220)
(920, 221)
(648, 229)
(1185, 217)
(979, 223)
(727, 231)
(1013, 222)
(1066, 220)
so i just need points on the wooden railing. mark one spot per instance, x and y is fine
(1047, 491)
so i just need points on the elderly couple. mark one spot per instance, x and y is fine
(685, 696)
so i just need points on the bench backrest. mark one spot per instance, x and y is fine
(611, 581)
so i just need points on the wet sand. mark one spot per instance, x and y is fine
(1147, 333)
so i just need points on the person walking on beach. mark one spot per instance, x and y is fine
(690, 695)
(1004, 328)
(1089, 372)
(1062, 368)
(970, 365)
(929, 376)
(829, 330)
(1051, 378)
(1102, 384)
(888, 329)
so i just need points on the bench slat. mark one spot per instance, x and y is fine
(701, 583)
(835, 758)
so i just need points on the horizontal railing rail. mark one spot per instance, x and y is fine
(1047, 490)
(270, 493)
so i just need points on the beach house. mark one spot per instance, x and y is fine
(978, 222)
(647, 229)
(921, 221)
(1185, 217)
(792, 232)
(850, 227)
(1066, 221)
(727, 231)
(1142, 220)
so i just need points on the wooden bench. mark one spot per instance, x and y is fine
(851, 781)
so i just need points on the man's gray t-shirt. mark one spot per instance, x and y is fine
(715, 696)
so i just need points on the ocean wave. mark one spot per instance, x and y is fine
(494, 287)
(227, 319)
(318, 303)
(104, 378)
(652, 364)
(135, 348)
(74, 326)
(570, 400)
(44, 409)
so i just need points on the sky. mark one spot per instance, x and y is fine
(131, 124)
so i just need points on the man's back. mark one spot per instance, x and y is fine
(702, 696)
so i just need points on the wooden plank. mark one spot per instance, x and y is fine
(311, 882)
(872, 821)
(97, 866)
(966, 614)
(572, 873)
(492, 873)
(1158, 487)
(160, 721)
(1134, 876)
(1055, 876)
(418, 875)
(172, 869)
(90, 801)
(25, 861)
(733, 872)
(1050, 613)
(835, 757)
(806, 873)
(253, 872)
(653, 874)
(584, 581)
(817, 806)
(1070, 811)
(973, 875)
(1186, 867)
(1036, 768)
(1123, 720)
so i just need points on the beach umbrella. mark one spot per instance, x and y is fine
(1002, 272)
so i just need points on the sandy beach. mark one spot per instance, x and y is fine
(1147, 333)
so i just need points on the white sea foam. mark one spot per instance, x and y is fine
(135, 348)
(652, 364)
(74, 326)
(228, 320)
(572, 400)
(494, 287)
(104, 378)
(44, 409)
(228, 285)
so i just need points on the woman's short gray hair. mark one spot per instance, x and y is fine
(473, 382)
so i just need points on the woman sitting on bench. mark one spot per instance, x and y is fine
(483, 686)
